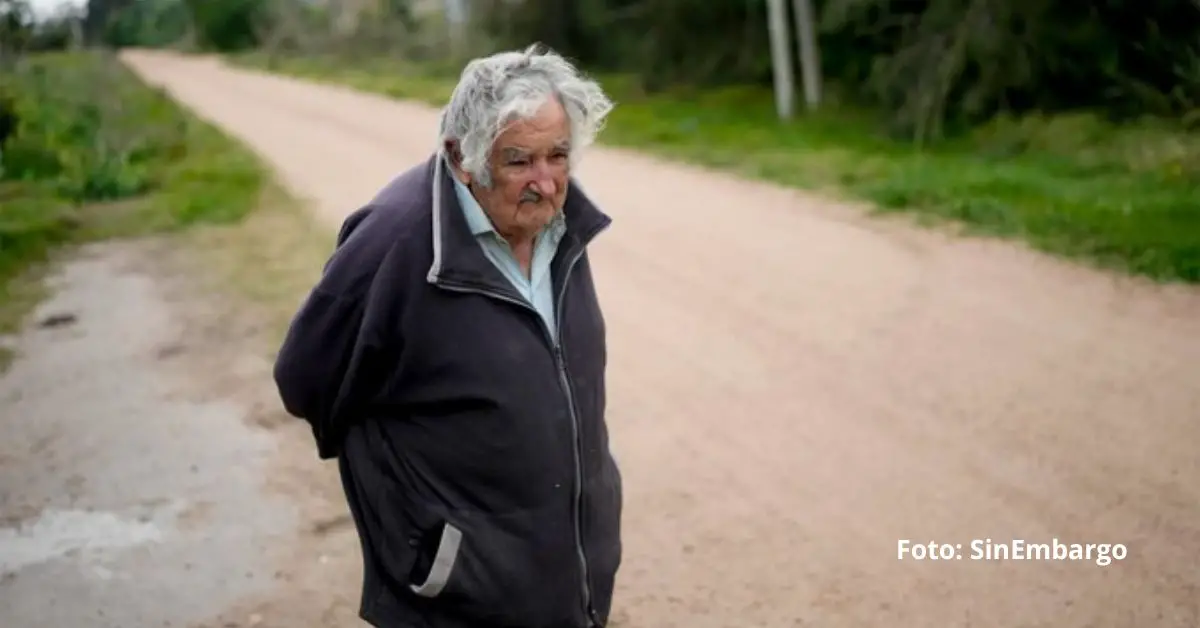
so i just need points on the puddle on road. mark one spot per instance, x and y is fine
(60, 533)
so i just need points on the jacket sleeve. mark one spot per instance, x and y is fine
(315, 354)
(322, 343)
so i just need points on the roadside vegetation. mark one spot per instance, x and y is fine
(1075, 128)
(1120, 196)
(89, 152)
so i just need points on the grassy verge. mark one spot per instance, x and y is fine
(1120, 198)
(266, 263)
(97, 154)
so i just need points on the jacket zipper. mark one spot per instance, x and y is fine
(565, 383)
(564, 377)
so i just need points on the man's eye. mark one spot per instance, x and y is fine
(558, 156)
(518, 162)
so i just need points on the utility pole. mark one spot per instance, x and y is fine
(456, 12)
(76, 22)
(810, 58)
(781, 58)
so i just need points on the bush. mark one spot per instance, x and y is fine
(92, 151)
(91, 127)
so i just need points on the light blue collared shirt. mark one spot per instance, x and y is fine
(537, 288)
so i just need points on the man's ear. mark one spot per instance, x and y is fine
(454, 156)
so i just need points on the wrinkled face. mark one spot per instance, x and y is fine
(530, 170)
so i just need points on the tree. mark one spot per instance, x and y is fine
(16, 29)
(228, 25)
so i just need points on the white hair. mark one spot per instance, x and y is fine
(493, 91)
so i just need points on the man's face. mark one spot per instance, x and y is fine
(530, 171)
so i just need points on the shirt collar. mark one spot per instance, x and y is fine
(477, 219)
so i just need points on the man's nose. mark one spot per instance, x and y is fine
(543, 179)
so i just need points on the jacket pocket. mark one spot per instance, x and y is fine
(440, 565)
(512, 569)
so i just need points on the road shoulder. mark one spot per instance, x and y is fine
(151, 476)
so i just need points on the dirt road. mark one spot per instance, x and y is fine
(796, 388)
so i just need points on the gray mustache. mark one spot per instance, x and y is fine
(531, 195)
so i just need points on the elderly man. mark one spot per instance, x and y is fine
(452, 358)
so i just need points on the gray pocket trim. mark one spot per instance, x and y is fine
(443, 563)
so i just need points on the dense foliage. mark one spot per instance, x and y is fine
(932, 62)
(223, 25)
(934, 65)
(81, 129)
(66, 143)
(1064, 124)
(88, 127)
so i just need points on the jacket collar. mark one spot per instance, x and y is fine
(457, 258)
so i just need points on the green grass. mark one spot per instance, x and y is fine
(1120, 198)
(97, 154)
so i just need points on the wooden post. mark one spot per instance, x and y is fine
(781, 58)
(810, 58)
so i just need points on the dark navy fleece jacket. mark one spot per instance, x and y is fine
(471, 441)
